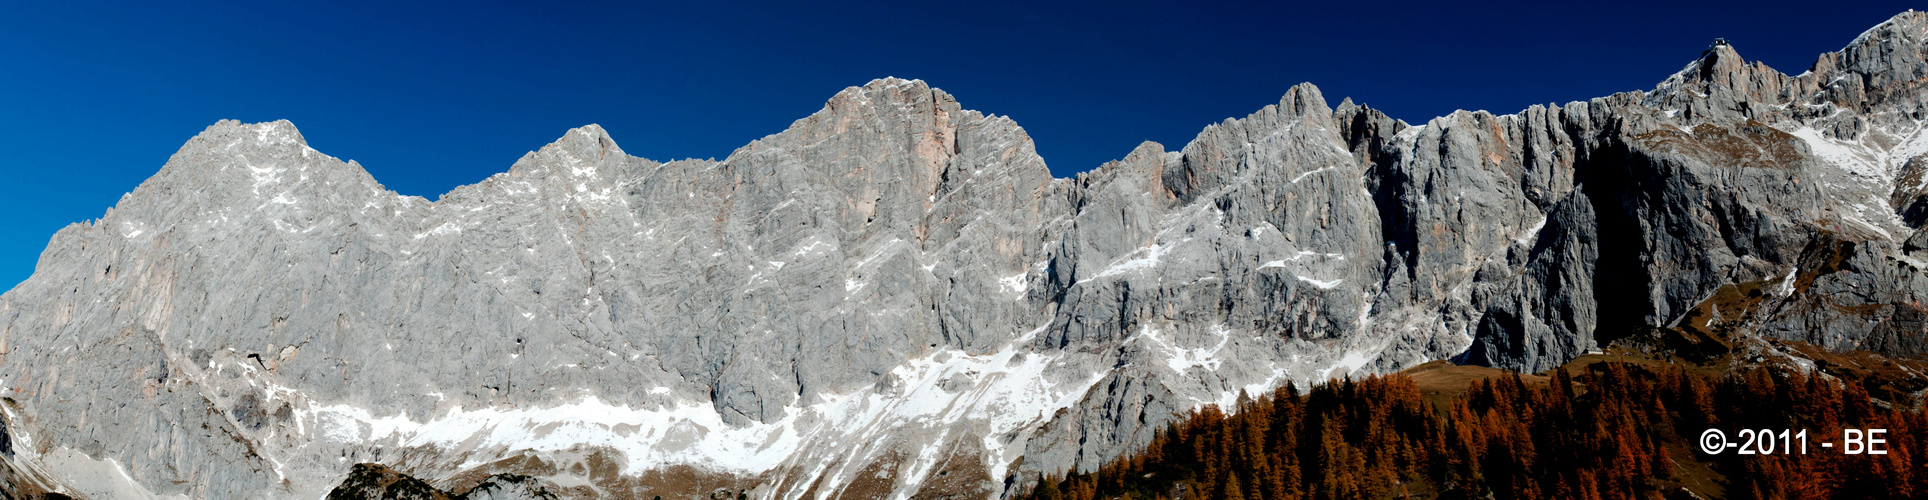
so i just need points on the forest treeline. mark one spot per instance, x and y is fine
(1610, 431)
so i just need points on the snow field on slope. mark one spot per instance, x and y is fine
(1008, 390)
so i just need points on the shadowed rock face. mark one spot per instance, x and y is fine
(894, 291)
(376, 482)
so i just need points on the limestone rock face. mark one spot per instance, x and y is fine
(22, 476)
(894, 296)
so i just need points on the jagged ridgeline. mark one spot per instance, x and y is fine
(893, 297)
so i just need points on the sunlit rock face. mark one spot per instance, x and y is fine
(894, 297)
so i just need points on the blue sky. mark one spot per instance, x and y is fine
(428, 96)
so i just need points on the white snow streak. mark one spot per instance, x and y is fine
(1324, 285)
(1147, 258)
(1526, 238)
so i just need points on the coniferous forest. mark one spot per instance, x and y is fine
(1606, 430)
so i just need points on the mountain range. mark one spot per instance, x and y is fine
(894, 297)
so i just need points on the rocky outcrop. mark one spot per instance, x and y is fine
(377, 482)
(508, 487)
(894, 293)
(22, 476)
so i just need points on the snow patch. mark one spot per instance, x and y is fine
(1526, 238)
(1147, 258)
(1857, 163)
(1182, 359)
(813, 247)
(1323, 285)
(684, 433)
(1351, 362)
(1301, 255)
(1014, 283)
(96, 478)
(446, 228)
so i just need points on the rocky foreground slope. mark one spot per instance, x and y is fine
(894, 297)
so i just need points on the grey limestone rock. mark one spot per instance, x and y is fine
(895, 288)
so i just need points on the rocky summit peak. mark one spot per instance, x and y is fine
(588, 139)
(881, 88)
(1304, 98)
(274, 132)
(235, 164)
(231, 136)
(888, 95)
(582, 169)
(1717, 62)
(894, 82)
(1912, 23)
(1888, 57)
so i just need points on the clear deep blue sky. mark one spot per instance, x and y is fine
(426, 96)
